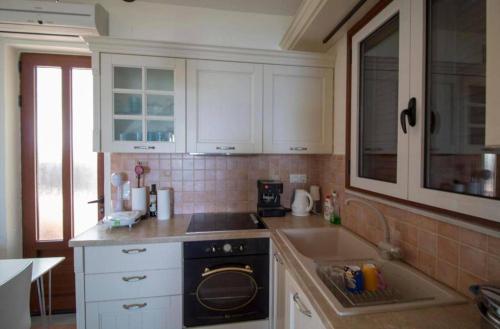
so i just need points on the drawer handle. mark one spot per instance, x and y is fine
(134, 278)
(144, 147)
(134, 250)
(134, 306)
(225, 148)
(302, 308)
(298, 148)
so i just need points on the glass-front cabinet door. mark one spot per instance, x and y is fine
(379, 94)
(143, 103)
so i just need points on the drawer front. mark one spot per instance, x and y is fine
(142, 313)
(109, 286)
(133, 257)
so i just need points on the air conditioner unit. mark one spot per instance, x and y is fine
(52, 18)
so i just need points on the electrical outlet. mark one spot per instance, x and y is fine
(298, 178)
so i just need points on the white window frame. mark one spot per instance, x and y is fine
(398, 189)
(412, 146)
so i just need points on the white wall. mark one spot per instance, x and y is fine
(10, 169)
(339, 96)
(154, 21)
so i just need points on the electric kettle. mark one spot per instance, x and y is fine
(302, 203)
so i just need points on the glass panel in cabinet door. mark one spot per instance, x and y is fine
(49, 150)
(128, 130)
(455, 157)
(160, 131)
(127, 104)
(162, 80)
(161, 105)
(127, 77)
(378, 99)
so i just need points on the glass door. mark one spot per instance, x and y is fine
(60, 173)
(143, 102)
(379, 95)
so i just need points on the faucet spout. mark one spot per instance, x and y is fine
(387, 250)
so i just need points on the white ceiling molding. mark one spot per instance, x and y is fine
(305, 15)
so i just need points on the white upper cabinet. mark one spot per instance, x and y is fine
(297, 109)
(142, 104)
(224, 107)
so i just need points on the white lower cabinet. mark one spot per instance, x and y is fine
(142, 313)
(298, 309)
(129, 286)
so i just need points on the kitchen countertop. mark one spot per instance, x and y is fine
(463, 316)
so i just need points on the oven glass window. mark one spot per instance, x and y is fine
(226, 290)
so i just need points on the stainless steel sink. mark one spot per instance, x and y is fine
(323, 251)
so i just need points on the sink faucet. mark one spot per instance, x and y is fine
(386, 249)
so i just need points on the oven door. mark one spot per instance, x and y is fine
(226, 289)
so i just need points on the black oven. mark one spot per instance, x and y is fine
(226, 281)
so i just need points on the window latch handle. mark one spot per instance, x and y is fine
(410, 113)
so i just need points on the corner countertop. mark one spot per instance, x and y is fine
(463, 316)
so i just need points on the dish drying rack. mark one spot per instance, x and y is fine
(332, 275)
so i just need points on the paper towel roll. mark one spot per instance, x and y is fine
(139, 199)
(164, 204)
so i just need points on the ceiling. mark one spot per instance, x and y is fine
(271, 7)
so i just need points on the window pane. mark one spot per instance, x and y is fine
(128, 77)
(128, 130)
(160, 105)
(84, 160)
(127, 104)
(456, 160)
(378, 99)
(160, 79)
(49, 153)
(160, 131)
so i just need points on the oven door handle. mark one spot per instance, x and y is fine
(246, 269)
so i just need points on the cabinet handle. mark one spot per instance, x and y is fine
(134, 278)
(225, 148)
(134, 250)
(302, 308)
(298, 148)
(144, 147)
(134, 306)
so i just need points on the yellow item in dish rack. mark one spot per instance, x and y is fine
(370, 276)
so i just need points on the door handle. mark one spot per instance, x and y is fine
(144, 147)
(246, 269)
(298, 148)
(225, 148)
(302, 308)
(410, 113)
(99, 200)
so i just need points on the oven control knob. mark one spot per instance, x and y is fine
(227, 247)
(241, 248)
(213, 249)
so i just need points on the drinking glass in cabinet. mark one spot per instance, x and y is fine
(162, 80)
(160, 131)
(127, 104)
(127, 78)
(128, 130)
(162, 105)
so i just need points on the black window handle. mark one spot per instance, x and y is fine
(411, 113)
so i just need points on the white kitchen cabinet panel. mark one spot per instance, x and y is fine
(298, 107)
(279, 294)
(143, 105)
(141, 313)
(299, 311)
(106, 259)
(108, 286)
(224, 107)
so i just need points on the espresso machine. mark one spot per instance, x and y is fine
(269, 203)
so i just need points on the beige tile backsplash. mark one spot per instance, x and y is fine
(455, 256)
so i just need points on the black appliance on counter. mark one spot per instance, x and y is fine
(226, 281)
(269, 194)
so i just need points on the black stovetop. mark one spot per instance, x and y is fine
(215, 222)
